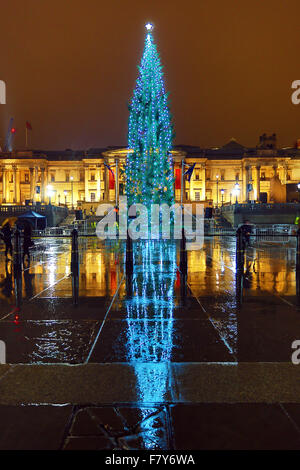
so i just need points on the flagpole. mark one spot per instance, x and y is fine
(26, 134)
(117, 183)
(182, 176)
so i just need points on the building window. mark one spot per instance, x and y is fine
(222, 175)
(52, 177)
(289, 176)
(197, 175)
(26, 178)
(263, 176)
(93, 197)
(207, 175)
(81, 176)
(92, 176)
(197, 195)
(237, 177)
(67, 177)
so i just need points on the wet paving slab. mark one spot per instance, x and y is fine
(180, 427)
(160, 356)
(214, 320)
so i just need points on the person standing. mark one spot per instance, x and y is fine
(246, 230)
(6, 236)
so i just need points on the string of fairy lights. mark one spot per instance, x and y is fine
(149, 167)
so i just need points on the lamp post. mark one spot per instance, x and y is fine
(217, 177)
(236, 191)
(298, 187)
(72, 178)
(50, 193)
(222, 193)
(65, 193)
(58, 199)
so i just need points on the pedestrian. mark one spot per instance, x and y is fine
(246, 230)
(27, 241)
(6, 235)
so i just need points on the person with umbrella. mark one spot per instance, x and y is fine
(6, 235)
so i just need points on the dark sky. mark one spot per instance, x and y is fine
(70, 68)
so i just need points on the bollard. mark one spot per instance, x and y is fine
(239, 277)
(129, 255)
(183, 288)
(129, 287)
(239, 248)
(298, 251)
(239, 273)
(75, 266)
(183, 254)
(17, 251)
(298, 267)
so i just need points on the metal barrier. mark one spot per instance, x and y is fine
(271, 234)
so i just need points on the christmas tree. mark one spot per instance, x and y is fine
(149, 166)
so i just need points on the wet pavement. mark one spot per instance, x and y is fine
(165, 363)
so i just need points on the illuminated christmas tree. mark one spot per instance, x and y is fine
(149, 167)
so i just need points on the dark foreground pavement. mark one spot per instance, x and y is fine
(147, 364)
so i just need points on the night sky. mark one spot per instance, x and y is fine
(70, 68)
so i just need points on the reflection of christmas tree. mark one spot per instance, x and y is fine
(150, 325)
(149, 172)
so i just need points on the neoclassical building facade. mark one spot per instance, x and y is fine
(228, 174)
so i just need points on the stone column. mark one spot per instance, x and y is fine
(3, 185)
(257, 182)
(15, 184)
(86, 183)
(31, 183)
(244, 185)
(7, 186)
(106, 183)
(248, 169)
(203, 183)
(35, 178)
(98, 178)
(42, 184)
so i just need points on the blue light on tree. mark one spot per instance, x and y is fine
(149, 168)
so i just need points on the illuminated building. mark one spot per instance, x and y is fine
(88, 177)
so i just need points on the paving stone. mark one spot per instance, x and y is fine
(33, 427)
(84, 425)
(233, 427)
(84, 384)
(87, 443)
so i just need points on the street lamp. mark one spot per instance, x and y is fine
(65, 193)
(222, 193)
(236, 191)
(72, 178)
(50, 193)
(217, 176)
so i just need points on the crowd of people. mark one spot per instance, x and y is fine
(7, 235)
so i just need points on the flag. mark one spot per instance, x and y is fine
(107, 166)
(111, 183)
(28, 126)
(189, 172)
